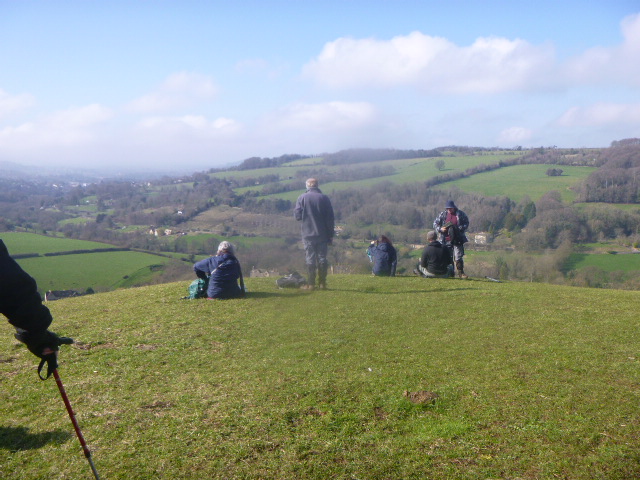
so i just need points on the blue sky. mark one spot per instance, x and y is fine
(188, 85)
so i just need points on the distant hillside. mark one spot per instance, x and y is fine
(524, 204)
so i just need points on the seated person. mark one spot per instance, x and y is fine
(436, 261)
(384, 257)
(223, 271)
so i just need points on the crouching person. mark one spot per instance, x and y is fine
(384, 257)
(224, 272)
(436, 261)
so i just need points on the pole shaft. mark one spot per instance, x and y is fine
(76, 427)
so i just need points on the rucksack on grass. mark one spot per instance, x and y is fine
(293, 280)
(198, 288)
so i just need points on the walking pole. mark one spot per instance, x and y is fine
(87, 452)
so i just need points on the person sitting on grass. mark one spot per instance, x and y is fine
(223, 271)
(384, 257)
(436, 261)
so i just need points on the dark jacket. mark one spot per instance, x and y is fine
(223, 272)
(20, 301)
(463, 224)
(384, 258)
(314, 210)
(436, 258)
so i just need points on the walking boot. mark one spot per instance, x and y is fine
(322, 276)
(311, 279)
(460, 269)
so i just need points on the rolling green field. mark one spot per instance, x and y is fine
(407, 171)
(20, 243)
(607, 262)
(519, 180)
(533, 382)
(98, 270)
(202, 240)
(629, 207)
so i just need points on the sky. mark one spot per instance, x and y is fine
(184, 86)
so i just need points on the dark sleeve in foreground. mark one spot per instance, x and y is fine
(20, 301)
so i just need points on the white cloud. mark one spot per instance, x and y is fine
(179, 90)
(321, 127)
(331, 116)
(514, 135)
(73, 126)
(601, 114)
(191, 124)
(435, 64)
(615, 65)
(10, 104)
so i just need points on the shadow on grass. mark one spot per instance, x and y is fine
(16, 439)
(403, 292)
(251, 295)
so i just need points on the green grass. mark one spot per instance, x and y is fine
(519, 180)
(607, 262)
(20, 243)
(535, 382)
(100, 271)
(199, 241)
(599, 206)
(406, 171)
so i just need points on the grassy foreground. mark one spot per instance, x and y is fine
(535, 382)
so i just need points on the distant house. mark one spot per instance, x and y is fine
(482, 238)
(58, 294)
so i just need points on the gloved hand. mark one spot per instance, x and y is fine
(43, 344)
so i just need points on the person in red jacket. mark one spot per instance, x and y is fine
(21, 303)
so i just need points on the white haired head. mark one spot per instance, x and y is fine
(226, 247)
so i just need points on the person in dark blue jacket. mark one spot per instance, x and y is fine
(223, 271)
(21, 303)
(384, 257)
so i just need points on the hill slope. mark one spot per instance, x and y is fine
(534, 381)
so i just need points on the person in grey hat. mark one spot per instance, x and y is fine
(451, 224)
(313, 208)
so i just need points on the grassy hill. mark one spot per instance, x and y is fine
(99, 270)
(534, 381)
(519, 180)
(406, 171)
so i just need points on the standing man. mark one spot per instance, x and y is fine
(452, 224)
(314, 210)
(21, 303)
